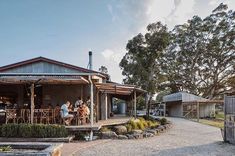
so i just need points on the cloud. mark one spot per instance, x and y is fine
(112, 56)
(110, 9)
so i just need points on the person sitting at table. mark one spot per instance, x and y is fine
(65, 113)
(70, 107)
(86, 111)
(78, 102)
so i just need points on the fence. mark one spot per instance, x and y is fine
(229, 125)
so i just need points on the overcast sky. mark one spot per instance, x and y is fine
(65, 30)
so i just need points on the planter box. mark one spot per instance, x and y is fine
(32, 149)
(68, 139)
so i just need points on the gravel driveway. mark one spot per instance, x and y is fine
(184, 139)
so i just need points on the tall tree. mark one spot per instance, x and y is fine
(103, 69)
(141, 64)
(202, 53)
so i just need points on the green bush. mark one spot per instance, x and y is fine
(163, 121)
(149, 118)
(33, 131)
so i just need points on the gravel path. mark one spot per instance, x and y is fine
(186, 138)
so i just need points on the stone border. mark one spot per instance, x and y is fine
(137, 134)
(67, 139)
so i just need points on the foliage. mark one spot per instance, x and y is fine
(128, 127)
(140, 123)
(159, 97)
(103, 69)
(163, 121)
(149, 118)
(140, 103)
(197, 56)
(140, 64)
(33, 131)
(5, 148)
(105, 129)
(201, 54)
(133, 124)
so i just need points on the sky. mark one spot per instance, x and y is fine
(65, 30)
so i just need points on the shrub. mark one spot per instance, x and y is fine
(140, 125)
(120, 129)
(105, 129)
(133, 124)
(143, 121)
(149, 118)
(33, 131)
(128, 127)
(163, 121)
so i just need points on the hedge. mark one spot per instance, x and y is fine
(32, 131)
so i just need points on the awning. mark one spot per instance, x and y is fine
(42, 79)
(119, 90)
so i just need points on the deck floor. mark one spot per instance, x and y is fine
(116, 120)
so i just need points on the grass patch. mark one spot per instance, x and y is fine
(219, 115)
(214, 123)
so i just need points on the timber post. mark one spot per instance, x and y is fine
(198, 111)
(32, 102)
(135, 104)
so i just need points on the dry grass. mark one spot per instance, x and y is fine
(215, 123)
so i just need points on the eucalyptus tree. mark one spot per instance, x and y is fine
(141, 65)
(202, 53)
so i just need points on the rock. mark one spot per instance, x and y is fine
(122, 137)
(130, 136)
(152, 131)
(136, 131)
(161, 128)
(138, 135)
(157, 131)
(109, 135)
(120, 129)
(147, 135)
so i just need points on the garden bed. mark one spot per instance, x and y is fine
(136, 129)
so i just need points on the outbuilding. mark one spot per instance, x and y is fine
(187, 105)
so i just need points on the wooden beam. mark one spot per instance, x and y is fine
(97, 105)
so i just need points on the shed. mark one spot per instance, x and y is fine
(187, 105)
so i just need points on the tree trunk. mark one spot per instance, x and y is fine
(148, 105)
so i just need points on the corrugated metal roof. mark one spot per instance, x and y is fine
(181, 96)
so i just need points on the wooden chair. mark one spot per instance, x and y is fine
(45, 116)
(57, 115)
(11, 114)
(22, 116)
(27, 115)
(37, 115)
(81, 115)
